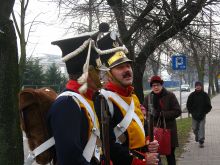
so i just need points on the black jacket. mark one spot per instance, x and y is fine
(198, 104)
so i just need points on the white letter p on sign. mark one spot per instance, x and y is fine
(179, 61)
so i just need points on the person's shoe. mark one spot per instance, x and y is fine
(201, 144)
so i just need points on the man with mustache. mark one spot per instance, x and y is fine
(126, 126)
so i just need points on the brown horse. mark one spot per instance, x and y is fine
(33, 106)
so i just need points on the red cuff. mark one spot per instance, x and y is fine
(136, 161)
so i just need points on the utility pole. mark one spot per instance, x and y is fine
(211, 86)
(181, 73)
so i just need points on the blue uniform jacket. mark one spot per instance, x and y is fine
(69, 126)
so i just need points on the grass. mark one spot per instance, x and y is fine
(184, 128)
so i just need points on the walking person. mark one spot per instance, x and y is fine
(165, 103)
(126, 127)
(199, 104)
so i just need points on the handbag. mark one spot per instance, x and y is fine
(163, 136)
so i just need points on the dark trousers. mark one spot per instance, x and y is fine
(171, 160)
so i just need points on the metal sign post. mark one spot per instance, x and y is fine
(179, 63)
(181, 93)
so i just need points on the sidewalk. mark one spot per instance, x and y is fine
(210, 154)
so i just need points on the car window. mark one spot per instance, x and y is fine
(185, 85)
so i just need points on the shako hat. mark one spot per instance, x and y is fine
(75, 64)
(80, 52)
(75, 50)
(116, 54)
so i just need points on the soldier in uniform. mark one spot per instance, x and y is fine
(72, 119)
(127, 135)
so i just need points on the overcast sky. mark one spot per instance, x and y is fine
(40, 40)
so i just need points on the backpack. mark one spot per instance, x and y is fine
(33, 107)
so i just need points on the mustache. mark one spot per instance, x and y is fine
(127, 74)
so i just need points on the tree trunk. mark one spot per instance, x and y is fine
(22, 62)
(200, 76)
(216, 84)
(211, 89)
(215, 75)
(11, 150)
(138, 70)
(90, 15)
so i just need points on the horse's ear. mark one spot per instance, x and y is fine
(26, 98)
(48, 92)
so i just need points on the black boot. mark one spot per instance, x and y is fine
(201, 143)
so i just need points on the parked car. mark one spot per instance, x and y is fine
(185, 87)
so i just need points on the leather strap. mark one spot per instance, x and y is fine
(37, 151)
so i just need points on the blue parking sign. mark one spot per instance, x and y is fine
(179, 62)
